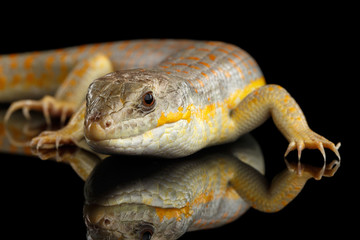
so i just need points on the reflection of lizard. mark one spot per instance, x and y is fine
(161, 199)
(187, 95)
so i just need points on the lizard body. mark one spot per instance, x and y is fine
(171, 98)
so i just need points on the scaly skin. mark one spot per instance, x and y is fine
(203, 94)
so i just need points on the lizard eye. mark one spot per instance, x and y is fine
(148, 100)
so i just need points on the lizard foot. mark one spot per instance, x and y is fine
(313, 140)
(48, 105)
(51, 140)
(53, 154)
(316, 172)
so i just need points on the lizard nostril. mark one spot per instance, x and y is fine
(108, 123)
(107, 222)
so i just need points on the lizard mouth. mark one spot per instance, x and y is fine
(98, 139)
(166, 140)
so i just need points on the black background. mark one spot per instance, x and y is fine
(308, 50)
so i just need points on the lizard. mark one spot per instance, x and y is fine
(167, 98)
(165, 199)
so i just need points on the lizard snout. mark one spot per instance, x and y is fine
(97, 130)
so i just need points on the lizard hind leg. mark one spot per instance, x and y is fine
(275, 101)
(71, 134)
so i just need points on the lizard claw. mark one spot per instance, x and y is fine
(50, 140)
(328, 170)
(48, 105)
(314, 141)
(24, 105)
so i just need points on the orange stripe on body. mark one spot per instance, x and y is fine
(123, 45)
(13, 60)
(212, 57)
(222, 50)
(200, 82)
(236, 67)
(16, 80)
(205, 75)
(29, 60)
(2, 80)
(193, 58)
(2, 83)
(205, 64)
(191, 84)
(179, 64)
(203, 49)
(49, 62)
(30, 79)
(195, 67)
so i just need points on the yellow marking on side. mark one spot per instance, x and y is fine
(175, 116)
(208, 112)
(186, 211)
(171, 213)
(240, 94)
(203, 198)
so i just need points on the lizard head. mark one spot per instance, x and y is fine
(132, 111)
(133, 201)
(129, 221)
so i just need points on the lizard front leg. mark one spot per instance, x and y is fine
(72, 133)
(275, 101)
(70, 94)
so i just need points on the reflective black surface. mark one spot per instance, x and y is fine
(45, 198)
